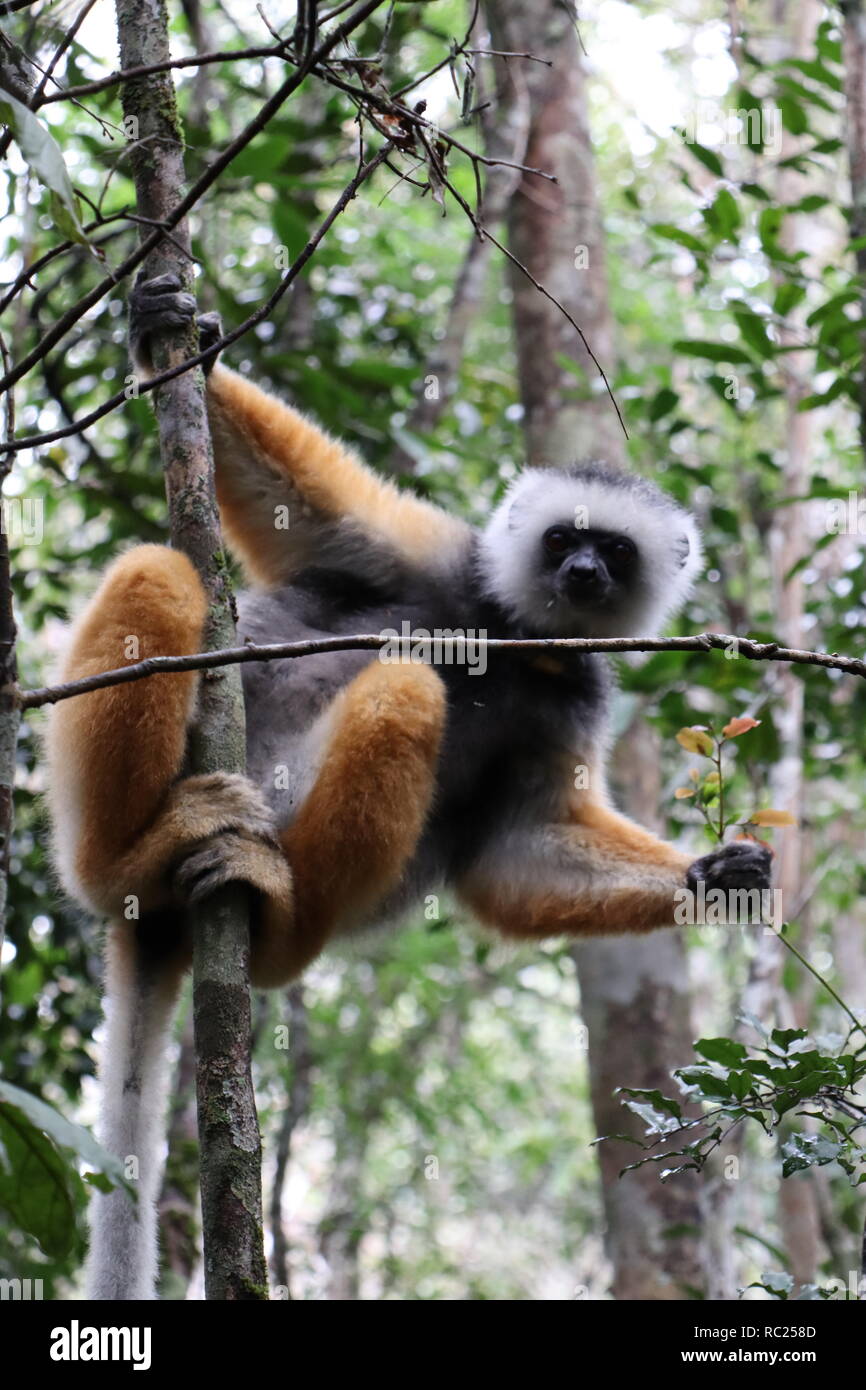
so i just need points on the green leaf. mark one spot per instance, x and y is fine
(42, 153)
(724, 1050)
(775, 1281)
(708, 1084)
(803, 1151)
(805, 95)
(783, 1037)
(662, 403)
(833, 392)
(755, 190)
(787, 297)
(831, 306)
(831, 146)
(672, 233)
(64, 1132)
(741, 1084)
(291, 228)
(40, 1190)
(715, 352)
(794, 118)
(752, 328)
(818, 71)
(813, 202)
(708, 158)
(752, 122)
(655, 1098)
(723, 214)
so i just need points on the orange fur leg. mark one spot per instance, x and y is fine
(113, 753)
(362, 819)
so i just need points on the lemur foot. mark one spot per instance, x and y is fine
(231, 858)
(741, 864)
(216, 802)
(162, 303)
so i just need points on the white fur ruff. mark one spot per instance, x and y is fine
(666, 537)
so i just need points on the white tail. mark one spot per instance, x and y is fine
(141, 995)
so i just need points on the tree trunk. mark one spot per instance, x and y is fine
(795, 30)
(228, 1125)
(178, 1201)
(635, 995)
(296, 1110)
(854, 57)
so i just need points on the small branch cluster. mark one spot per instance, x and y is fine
(313, 49)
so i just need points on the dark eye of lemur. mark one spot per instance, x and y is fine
(617, 552)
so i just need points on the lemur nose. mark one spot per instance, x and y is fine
(583, 571)
(585, 578)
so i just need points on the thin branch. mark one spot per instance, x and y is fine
(458, 49)
(210, 353)
(192, 197)
(65, 42)
(499, 53)
(453, 646)
(229, 55)
(482, 231)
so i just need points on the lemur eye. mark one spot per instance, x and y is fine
(622, 548)
(558, 539)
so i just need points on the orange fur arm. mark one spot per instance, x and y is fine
(271, 459)
(595, 874)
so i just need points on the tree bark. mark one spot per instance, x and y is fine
(505, 126)
(296, 1111)
(228, 1126)
(10, 719)
(794, 30)
(635, 997)
(178, 1201)
(556, 231)
(854, 59)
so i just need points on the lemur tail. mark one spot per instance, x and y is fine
(141, 995)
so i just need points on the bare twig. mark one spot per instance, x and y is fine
(195, 192)
(498, 53)
(275, 651)
(228, 55)
(261, 313)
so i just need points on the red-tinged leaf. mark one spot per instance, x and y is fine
(741, 725)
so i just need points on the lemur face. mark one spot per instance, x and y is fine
(588, 552)
(589, 569)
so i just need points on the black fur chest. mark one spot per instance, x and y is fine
(511, 732)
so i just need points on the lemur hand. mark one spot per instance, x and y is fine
(741, 864)
(240, 843)
(232, 858)
(159, 304)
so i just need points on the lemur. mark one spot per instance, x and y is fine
(370, 784)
